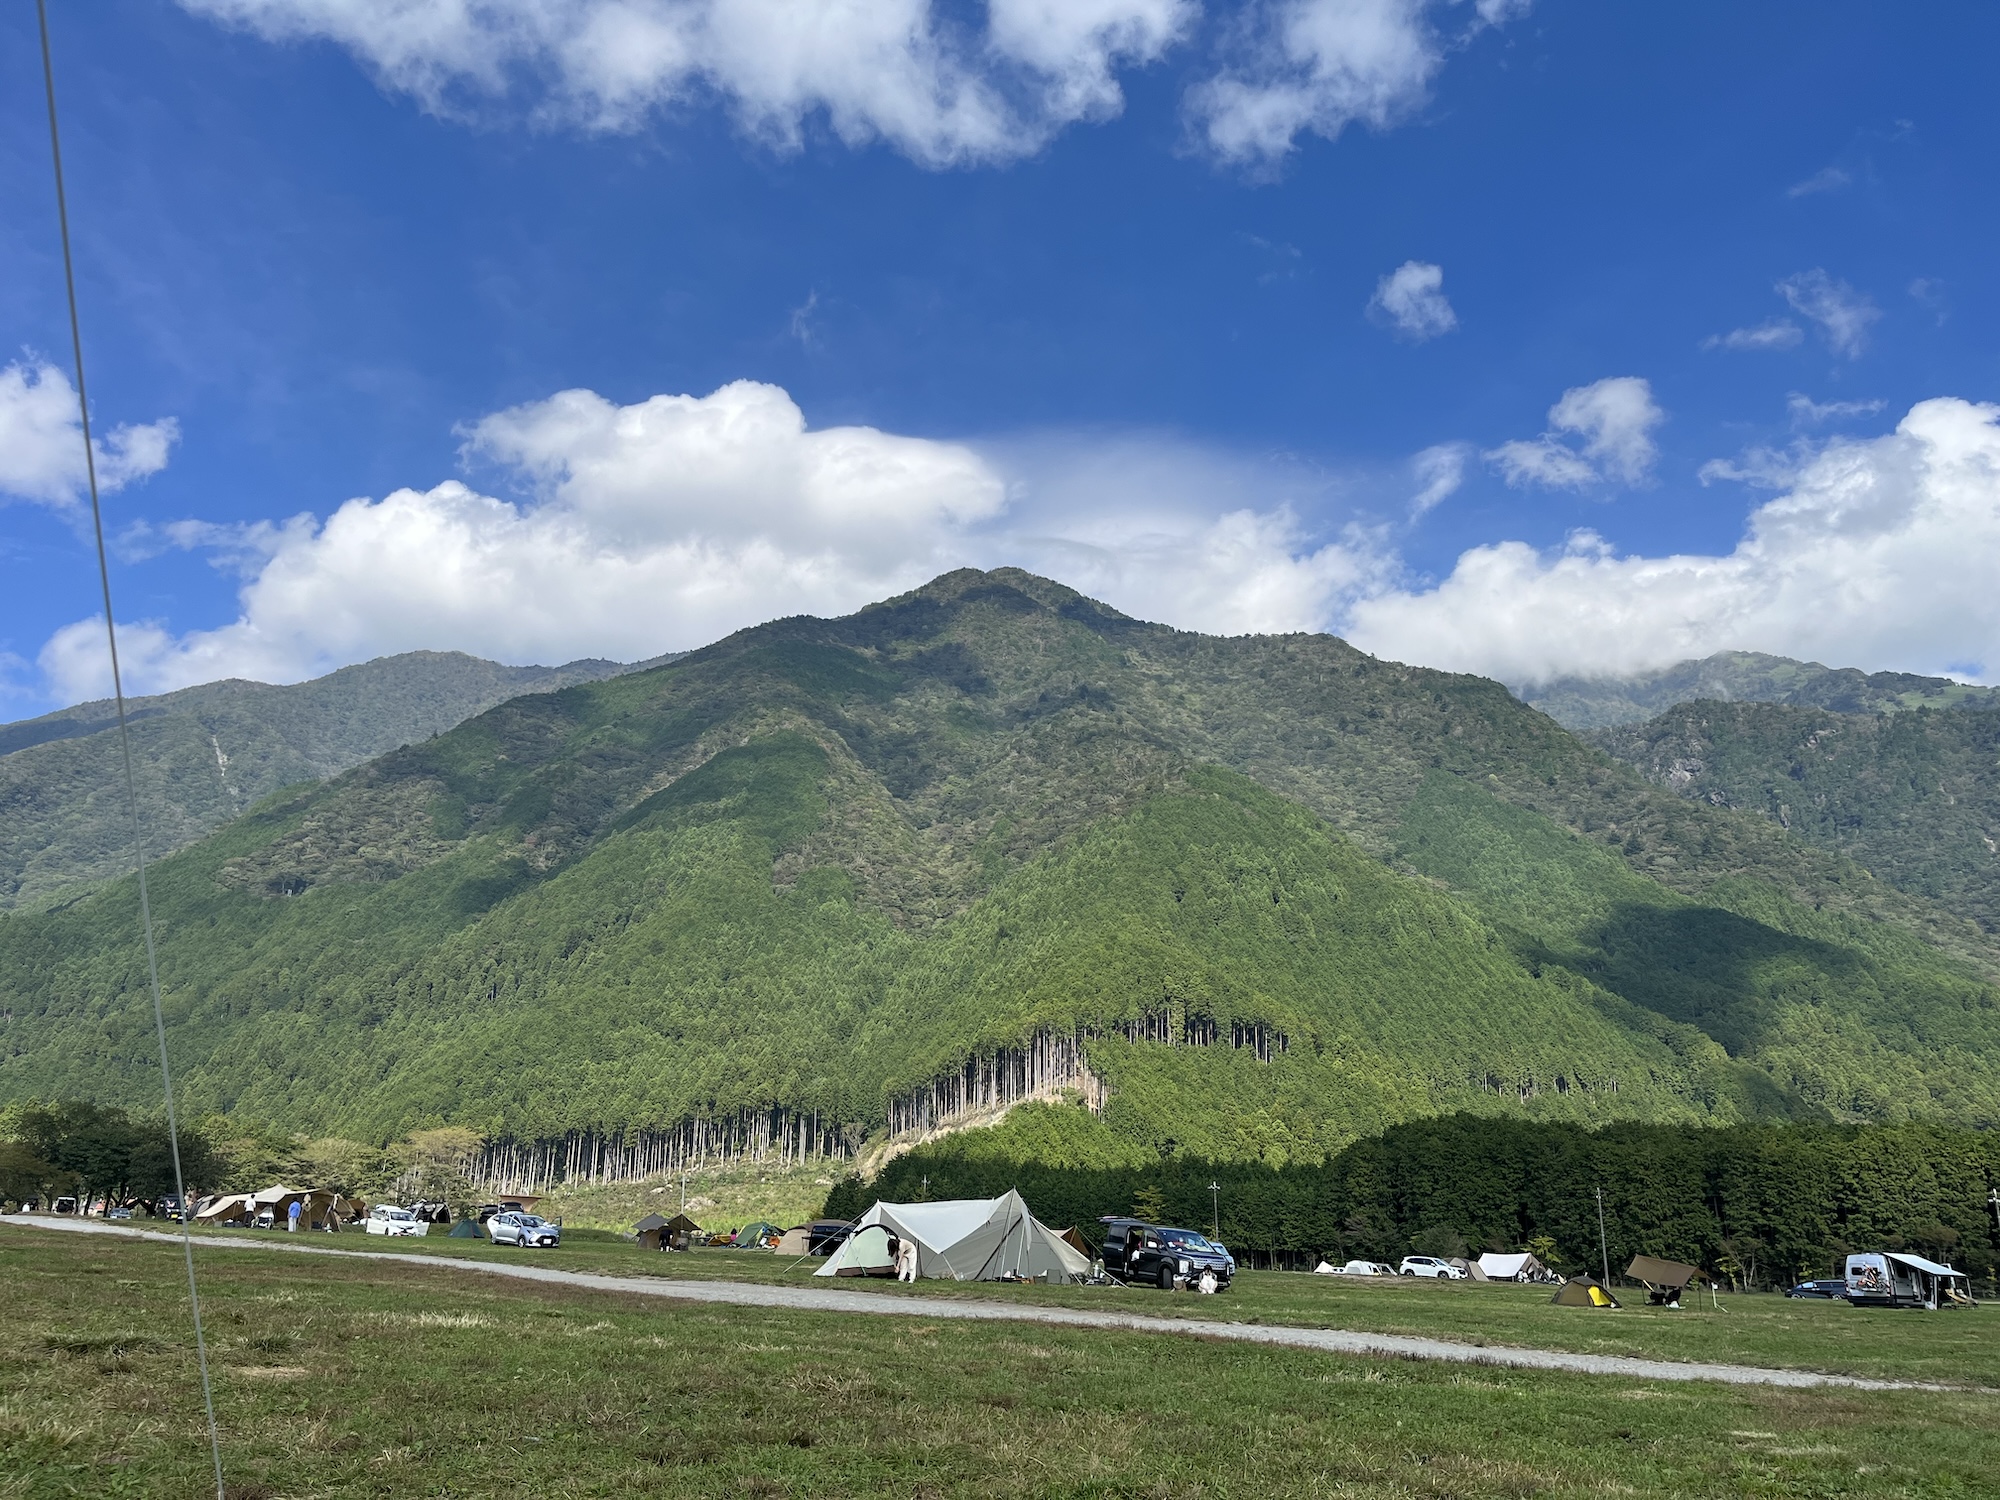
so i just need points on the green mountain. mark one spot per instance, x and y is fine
(1747, 677)
(1912, 796)
(204, 754)
(826, 880)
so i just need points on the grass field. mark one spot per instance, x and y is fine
(346, 1377)
(1955, 1348)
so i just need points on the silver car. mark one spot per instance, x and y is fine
(524, 1230)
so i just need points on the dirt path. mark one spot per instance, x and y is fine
(833, 1299)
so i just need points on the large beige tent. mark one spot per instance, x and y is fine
(965, 1239)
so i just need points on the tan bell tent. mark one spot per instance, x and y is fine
(965, 1239)
(1518, 1266)
(1581, 1291)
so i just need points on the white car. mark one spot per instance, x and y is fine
(1430, 1265)
(386, 1218)
(523, 1230)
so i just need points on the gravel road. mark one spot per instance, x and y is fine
(834, 1299)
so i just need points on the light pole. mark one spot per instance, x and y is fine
(1603, 1250)
(1215, 1197)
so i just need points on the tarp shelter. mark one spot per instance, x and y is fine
(965, 1239)
(676, 1233)
(1581, 1291)
(1520, 1266)
(466, 1229)
(1665, 1279)
(1893, 1278)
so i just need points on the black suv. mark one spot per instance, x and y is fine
(1135, 1251)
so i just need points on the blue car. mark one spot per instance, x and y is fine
(1828, 1288)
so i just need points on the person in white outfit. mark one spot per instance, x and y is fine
(906, 1260)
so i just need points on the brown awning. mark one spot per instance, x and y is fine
(1656, 1272)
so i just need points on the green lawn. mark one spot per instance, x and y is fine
(339, 1378)
(1958, 1348)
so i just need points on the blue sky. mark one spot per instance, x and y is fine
(1121, 327)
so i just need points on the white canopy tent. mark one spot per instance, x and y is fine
(1517, 1267)
(964, 1239)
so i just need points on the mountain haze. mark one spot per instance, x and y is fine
(205, 754)
(1254, 896)
(1747, 677)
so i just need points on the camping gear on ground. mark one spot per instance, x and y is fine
(1893, 1278)
(1665, 1280)
(1518, 1266)
(966, 1239)
(1581, 1291)
(466, 1229)
(677, 1233)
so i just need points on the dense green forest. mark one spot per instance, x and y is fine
(1278, 893)
(1747, 677)
(1913, 796)
(205, 754)
(1759, 1205)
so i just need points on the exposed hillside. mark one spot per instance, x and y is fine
(1914, 797)
(1747, 677)
(205, 754)
(830, 875)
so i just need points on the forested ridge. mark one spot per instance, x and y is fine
(1912, 795)
(203, 755)
(823, 862)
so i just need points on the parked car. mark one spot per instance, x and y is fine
(1828, 1287)
(120, 1212)
(1430, 1265)
(1135, 1251)
(524, 1230)
(1365, 1268)
(387, 1218)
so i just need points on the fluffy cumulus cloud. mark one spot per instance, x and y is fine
(1880, 554)
(923, 76)
(1598, 433)
(41, 440)
(670, 522)
(948, 84)
(1317, 66)
(1411, 300)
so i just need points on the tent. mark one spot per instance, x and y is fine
(864, 1253)
(1581, 1291)
(1520, 1266)
(226, 1209)
(964, 1239)
(1473, 1270)
(795, 1241)
(758, 1236)
(1665, 1279)
(655, 1233)
(1076, 1242)
(466, 1229)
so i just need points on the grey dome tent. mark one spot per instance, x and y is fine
(964, 1239)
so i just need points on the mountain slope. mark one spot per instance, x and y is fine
(1912, 796)
(205, 754)
(830, 876)
(1747, 677)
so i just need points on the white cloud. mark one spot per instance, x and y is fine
(1318, 66)
(41, 440)
(1439, 470)
(1843, 314)
(1825, 180)
(1778, 333)
(1412, 299)
(1880, 555)
(910, 72)
(1807, 412)
(672, 521)
(1614, 418)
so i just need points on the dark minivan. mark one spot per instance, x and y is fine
(1135, 1251)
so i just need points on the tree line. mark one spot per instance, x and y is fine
(1756, 1205)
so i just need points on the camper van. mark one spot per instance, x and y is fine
(1891, 1278)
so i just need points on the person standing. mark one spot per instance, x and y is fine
(292, 1215)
